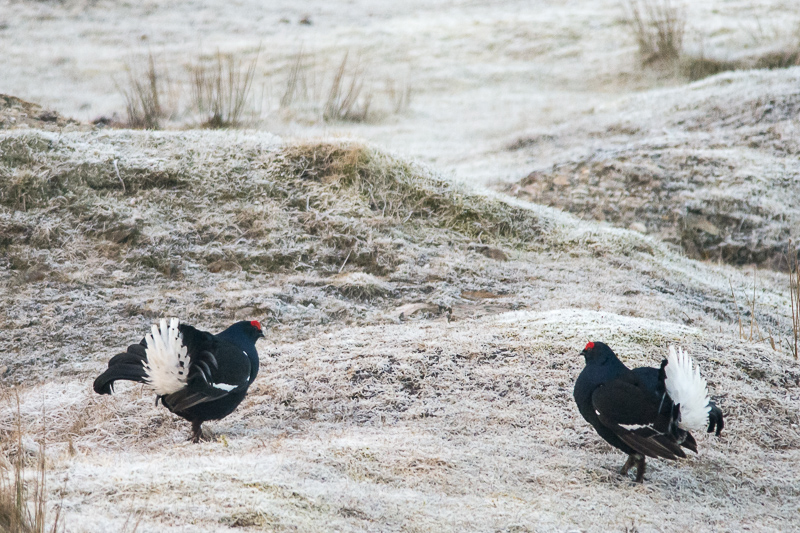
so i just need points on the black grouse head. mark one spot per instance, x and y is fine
(251, 329)
(598, 353)
(245, 329)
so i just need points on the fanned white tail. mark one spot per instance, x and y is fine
(687, 388)
(167, 363)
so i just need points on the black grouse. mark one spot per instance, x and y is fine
(645, 412)
(196, 375)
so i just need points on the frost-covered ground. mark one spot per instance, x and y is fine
(423, 338)
(466, 426)
(482, 74)
(712, 167)
(370, 412)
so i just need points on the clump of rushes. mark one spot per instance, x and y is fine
(144, 95)
(221, 89)
(659, 27)
(23, 503)
(348, 99)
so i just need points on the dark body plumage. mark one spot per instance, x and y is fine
(220, 370)
(631, 409)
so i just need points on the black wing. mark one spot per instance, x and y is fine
(651, 378)
(216, 369)
(638, 417)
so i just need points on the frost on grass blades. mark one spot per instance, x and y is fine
(357, 417)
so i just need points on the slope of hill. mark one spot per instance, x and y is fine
(711, 167)
(423, 341)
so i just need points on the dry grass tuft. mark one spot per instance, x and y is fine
(361, 286)
(349, 97)
(659, 27)
(786, 58)
(298, 85)
(23, 502)
(698, 67)
(794, 296)
(345, 94)
(403, 191)
(220, 92)
(751, 332)
(221, 89)
(145, 95)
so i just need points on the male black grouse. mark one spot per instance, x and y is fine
(645, 411)
(196, 375)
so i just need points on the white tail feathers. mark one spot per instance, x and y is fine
(687, 388)
(167, 363)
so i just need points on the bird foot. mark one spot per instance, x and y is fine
(627, 466)
(197, 433)
(640, 468)
(634, 461)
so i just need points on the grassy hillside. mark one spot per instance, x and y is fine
(421, 350)
(711, 167)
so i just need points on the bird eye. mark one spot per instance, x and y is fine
(589, 346)
(256, 324)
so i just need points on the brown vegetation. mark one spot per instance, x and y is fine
(221, 89)
(23, 501)
(659, 27)
(145, 94)
(794, 297)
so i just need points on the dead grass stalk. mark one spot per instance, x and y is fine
(297, 83)
(754, 333)
(221, 89)
(399, 95)
(144, 95)
(348, 99)
(659, 27)
(794, 296)
(18, 495)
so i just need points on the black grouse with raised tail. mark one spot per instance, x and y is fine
(196, 375)
(645, 412)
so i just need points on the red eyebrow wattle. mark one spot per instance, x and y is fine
(589, 346)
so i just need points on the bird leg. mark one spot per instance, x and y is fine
(637, 461)
(197, 431)
(628, 464)
(640, 469)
